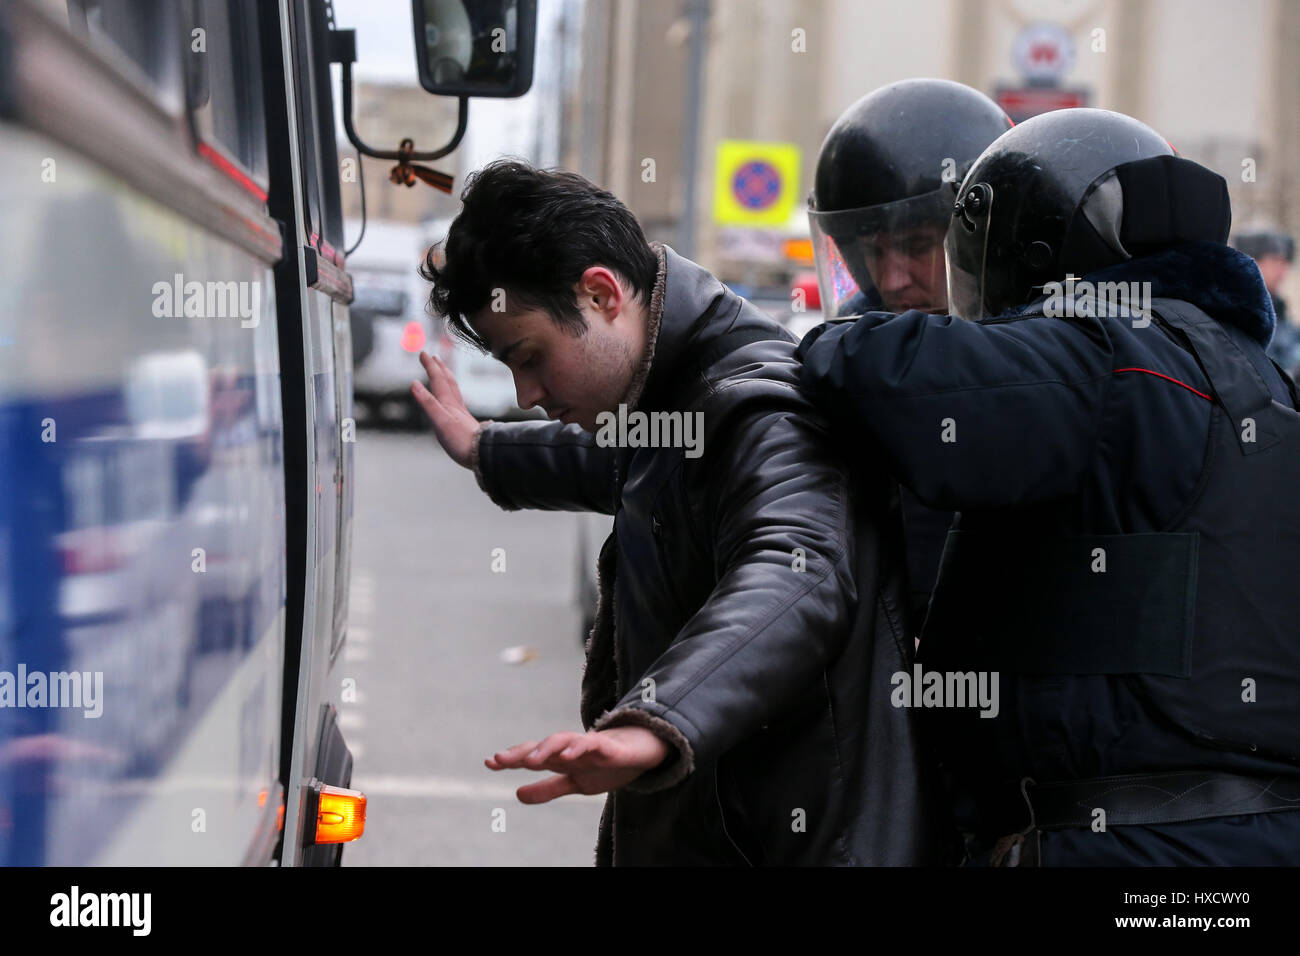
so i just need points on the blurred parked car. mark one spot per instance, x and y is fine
(391, 325)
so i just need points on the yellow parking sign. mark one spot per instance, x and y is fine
(755, 184)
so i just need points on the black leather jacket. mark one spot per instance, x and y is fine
(757, 590)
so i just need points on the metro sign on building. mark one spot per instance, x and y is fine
(1043, 52)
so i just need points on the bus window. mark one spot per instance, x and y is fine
(138, 30)
(316, 119)
(332, 213)
(224, 71)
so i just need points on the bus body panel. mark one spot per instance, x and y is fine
(143, 529)
(150, 469)
(328, 400)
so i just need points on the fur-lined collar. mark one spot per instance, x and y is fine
(1219, 280)
(654, 319)
(692, 313)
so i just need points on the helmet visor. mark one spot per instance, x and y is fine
(966, 254)
(886, 257)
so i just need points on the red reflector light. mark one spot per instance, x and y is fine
(413, 337)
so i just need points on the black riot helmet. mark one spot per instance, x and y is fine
(1067, 193)
(884, 189)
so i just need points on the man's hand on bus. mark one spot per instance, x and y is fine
(595, 762)
(441, 401)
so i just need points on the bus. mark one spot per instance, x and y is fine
(176, 421)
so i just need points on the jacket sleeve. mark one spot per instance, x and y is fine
(778, 522)
(549, 466)
(969, 415)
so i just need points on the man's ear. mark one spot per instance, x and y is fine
(600, 289)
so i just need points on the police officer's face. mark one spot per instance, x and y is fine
(906, 267)
(1274, 270)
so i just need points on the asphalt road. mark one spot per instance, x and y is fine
(430, 619)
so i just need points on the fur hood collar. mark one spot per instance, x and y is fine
(1215, 278)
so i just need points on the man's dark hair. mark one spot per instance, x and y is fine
(533, 232)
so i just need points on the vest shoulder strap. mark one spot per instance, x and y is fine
(1237, 385)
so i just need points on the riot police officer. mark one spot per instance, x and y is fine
(1101, 412)
(883, 193)
(1274, 251)
(882, 198)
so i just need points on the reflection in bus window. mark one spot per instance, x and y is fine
(136, 28)
(224, 73)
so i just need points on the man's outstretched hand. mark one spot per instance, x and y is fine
(441, 401)
(594, 762)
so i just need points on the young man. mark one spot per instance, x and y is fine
(736, 690)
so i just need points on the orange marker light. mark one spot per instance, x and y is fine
(800, 250)
(340, 816)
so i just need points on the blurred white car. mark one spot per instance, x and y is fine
(391, 325)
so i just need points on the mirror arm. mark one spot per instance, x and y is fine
(343, 49)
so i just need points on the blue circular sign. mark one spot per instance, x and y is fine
(756, 185)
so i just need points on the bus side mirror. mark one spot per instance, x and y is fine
(475, 47)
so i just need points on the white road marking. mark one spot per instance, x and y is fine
(361, 597)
